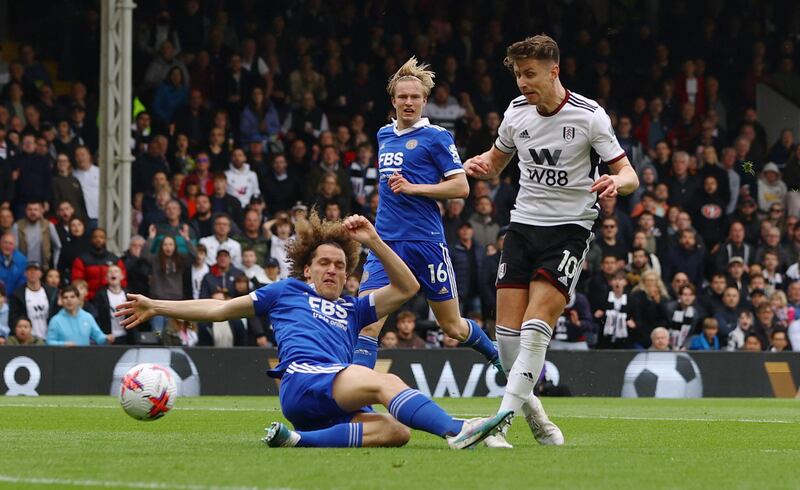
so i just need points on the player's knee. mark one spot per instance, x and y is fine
(394, 381)
(391, 385)
(396, 435)
(535, 339)
(454, 328)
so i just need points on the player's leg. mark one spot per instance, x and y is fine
(357, 386)
(382, 430)
(559, 253)
(366, 349)
(513, 291)
(511, 305)
(430, 262)
(363, 430)
(545, 305)
(465, 330)
(526, 314)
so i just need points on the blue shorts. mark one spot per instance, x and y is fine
(430, 263)
(306, 395)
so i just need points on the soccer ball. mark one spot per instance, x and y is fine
(662, 375)
(176, 361)
(147, 392)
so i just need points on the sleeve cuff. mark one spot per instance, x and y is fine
(616, 159)
(498, 143)
(454, 172)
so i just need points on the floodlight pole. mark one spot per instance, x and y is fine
(116, 60)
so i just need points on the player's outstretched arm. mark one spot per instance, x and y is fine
(622, 180)
(138, 309)
(452, 187)
(488, 164)
(402, 283)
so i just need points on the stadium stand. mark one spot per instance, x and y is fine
(273, 107)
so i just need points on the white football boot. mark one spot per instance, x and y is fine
(544, 430)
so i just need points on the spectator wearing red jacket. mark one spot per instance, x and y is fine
(92, 266)
(690, 87)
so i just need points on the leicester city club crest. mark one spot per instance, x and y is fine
(569, 133)
(411, 144)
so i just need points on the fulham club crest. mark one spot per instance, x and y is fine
(568, 133)
(501, 271)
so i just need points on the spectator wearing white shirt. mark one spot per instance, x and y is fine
(198, 270)
(89, 177)
(242, 182)
(106, 301)
(221, 239)
(33, 300)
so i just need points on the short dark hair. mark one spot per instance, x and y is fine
(71, 288)
(777, 331)
(540, 47)
(22, 319)
(406, 314)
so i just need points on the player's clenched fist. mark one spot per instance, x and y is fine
(360, 229)
(477, 167)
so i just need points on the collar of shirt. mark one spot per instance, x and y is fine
(423, 121)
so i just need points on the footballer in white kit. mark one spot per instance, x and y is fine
(559, 155)
(561, 139)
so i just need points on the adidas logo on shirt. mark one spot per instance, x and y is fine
(524, 134)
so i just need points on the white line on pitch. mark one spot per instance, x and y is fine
(659, 419)
(270, 409)
(118, 484)
(677, 419)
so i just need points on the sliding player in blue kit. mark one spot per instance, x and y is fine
(324, 395)
(418, 164)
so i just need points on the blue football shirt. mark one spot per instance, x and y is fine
(423, 154)
(310, 328)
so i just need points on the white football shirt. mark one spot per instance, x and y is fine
(558, 158)
(37, 307)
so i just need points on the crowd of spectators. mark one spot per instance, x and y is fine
(248, 114)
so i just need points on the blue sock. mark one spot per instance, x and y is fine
(479, 341)
(417, 411)
(366, 353)
(341, 435)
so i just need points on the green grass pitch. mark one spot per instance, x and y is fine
(213, 442)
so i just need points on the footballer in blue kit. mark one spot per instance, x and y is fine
(418, 164)
(323, 394)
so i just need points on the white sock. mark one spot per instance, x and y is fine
(533, 340)
(507, 345)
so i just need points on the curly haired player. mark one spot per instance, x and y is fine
(324, 395)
